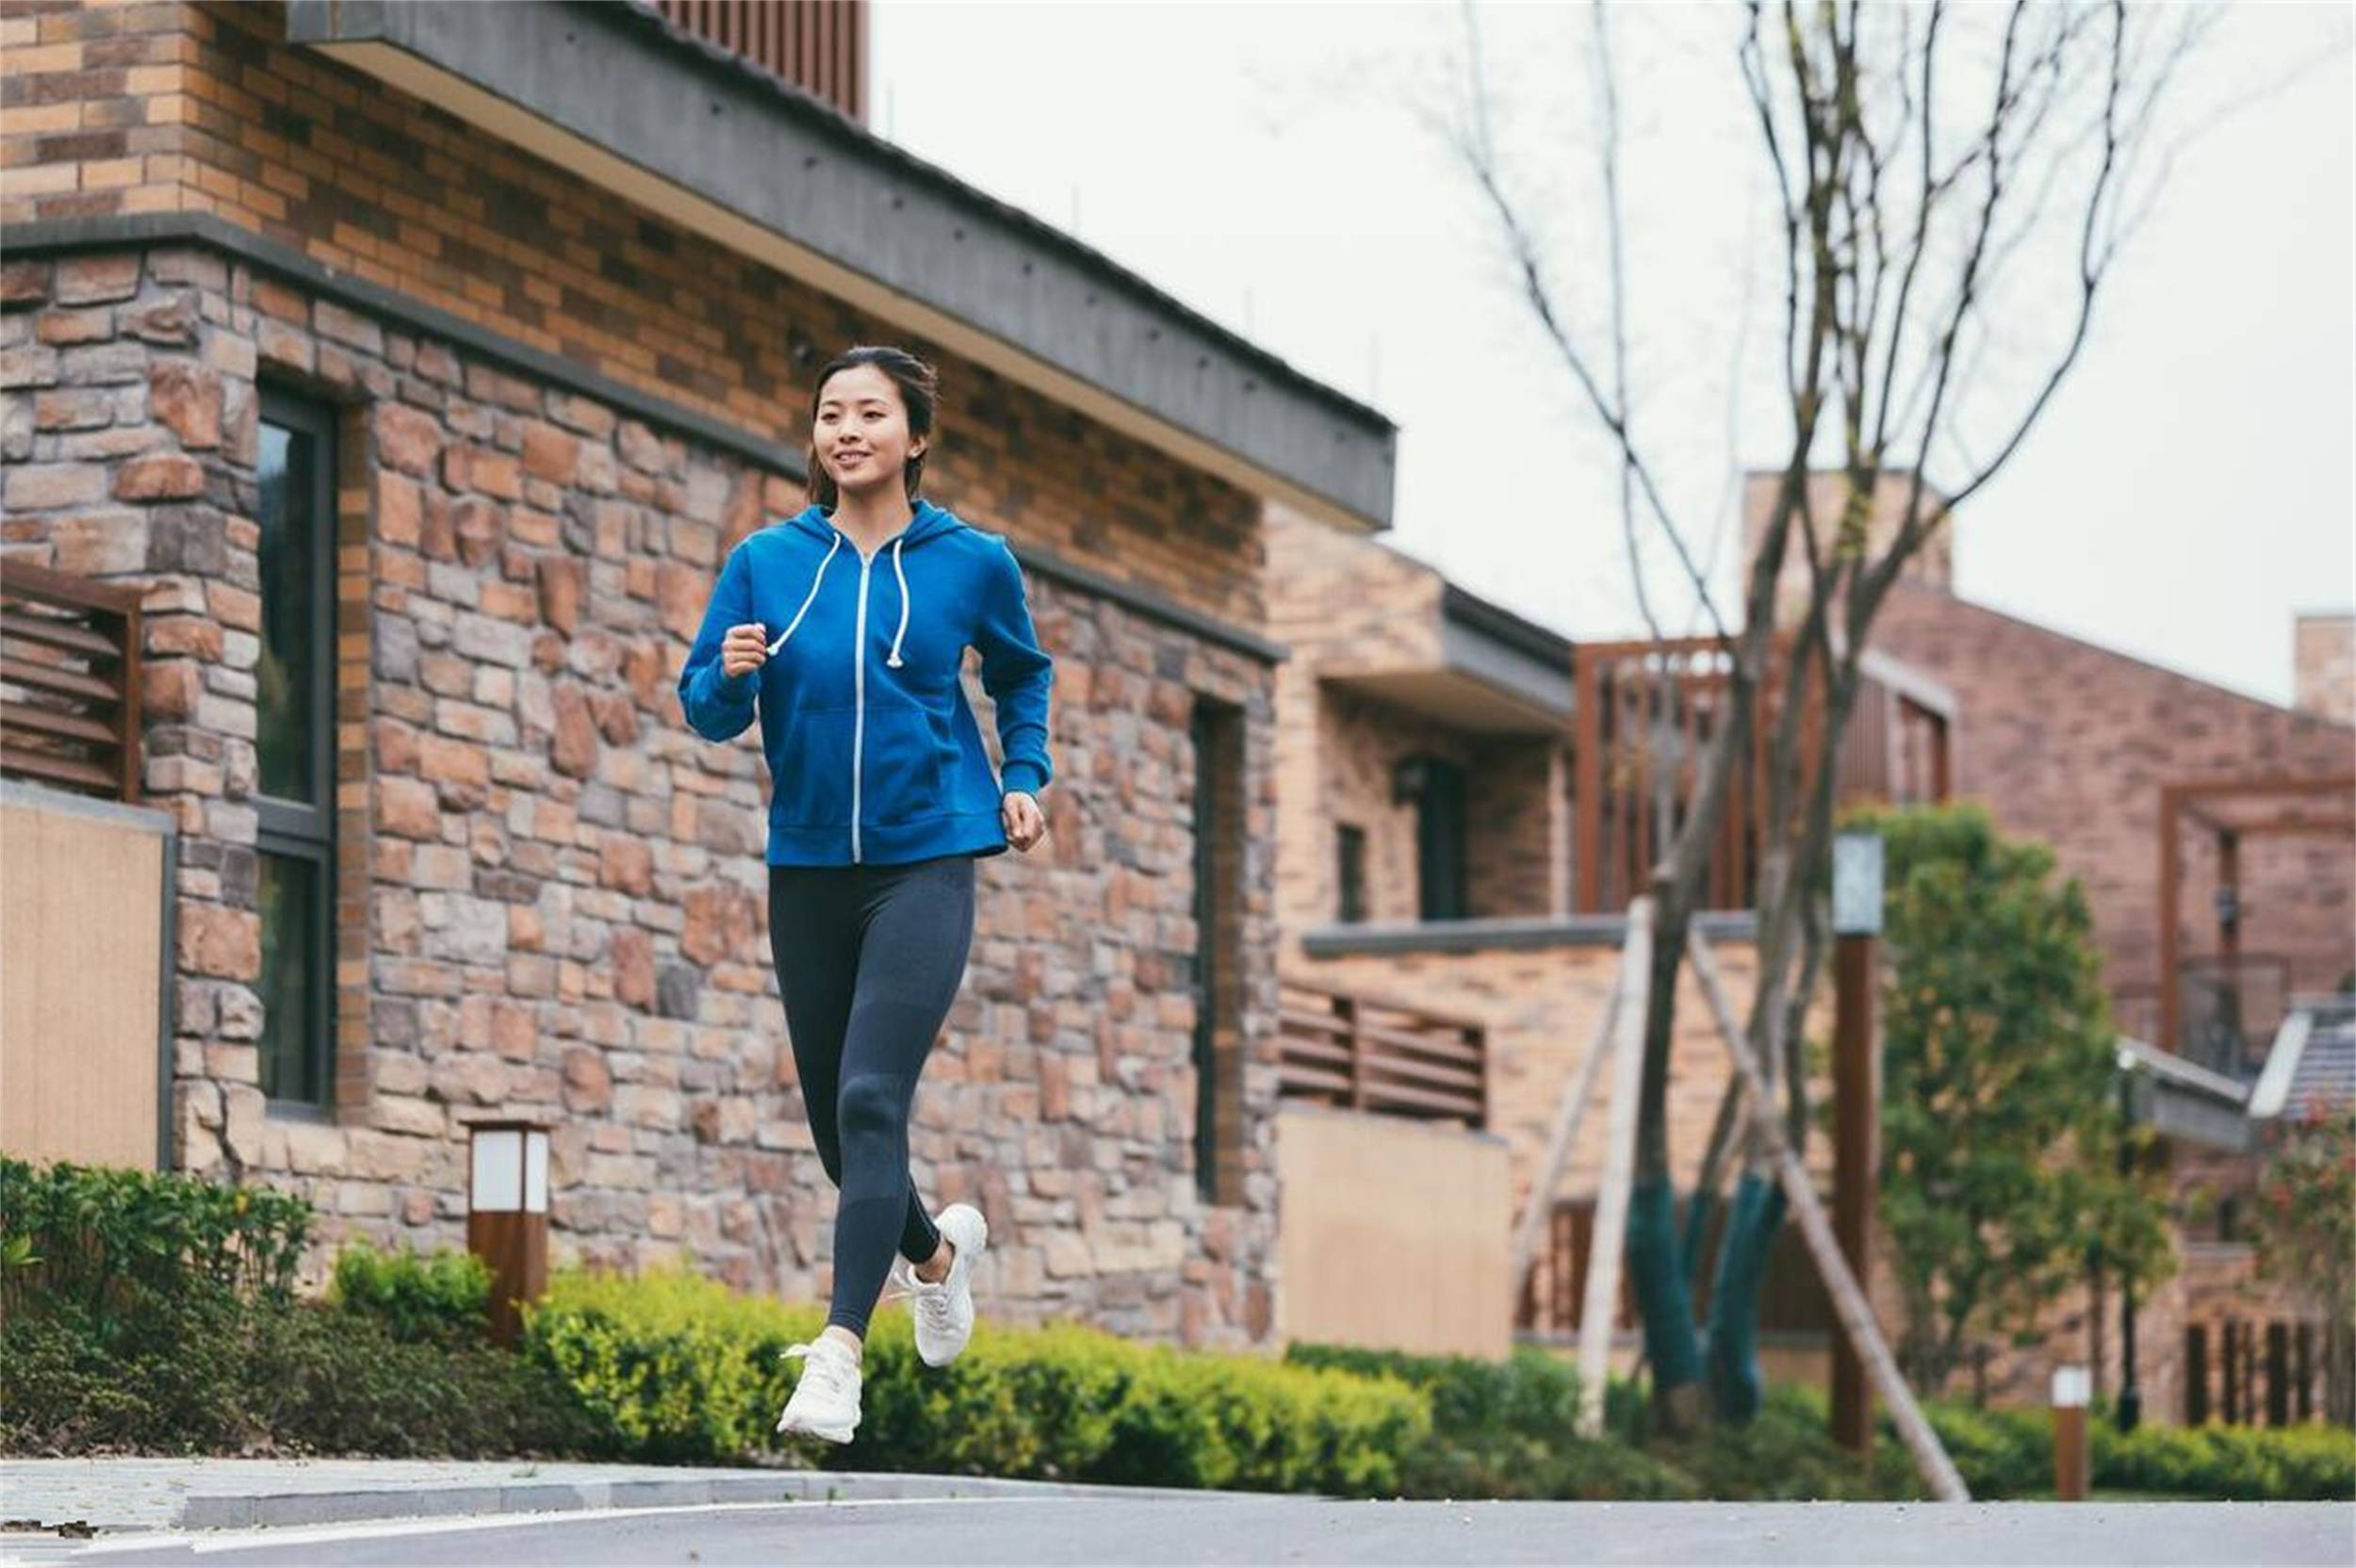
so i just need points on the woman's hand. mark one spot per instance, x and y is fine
(1024, 822)
(743, 649)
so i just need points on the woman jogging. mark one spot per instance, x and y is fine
(842, 628)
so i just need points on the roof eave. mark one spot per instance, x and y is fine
(621, 98)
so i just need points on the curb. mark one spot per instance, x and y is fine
(264, 1509)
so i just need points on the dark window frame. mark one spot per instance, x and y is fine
(1441, 840)
(1350, 873)
(300, 831)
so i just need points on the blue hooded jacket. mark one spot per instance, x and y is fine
(874, 754)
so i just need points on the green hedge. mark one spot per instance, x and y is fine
(113, 1243)
(155, 1312)
(245, 1376)
(678, 1367)
(442, 1299)
(1507, 1428)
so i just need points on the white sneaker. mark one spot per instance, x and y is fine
(825, 1400)
(944, 1309)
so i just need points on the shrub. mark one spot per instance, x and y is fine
(680, 1368)
(215, 1374)
(112, 1245)
(442, 1299)
(2312, 1463)
(1507, 1428)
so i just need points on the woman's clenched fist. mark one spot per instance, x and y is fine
(744, 650)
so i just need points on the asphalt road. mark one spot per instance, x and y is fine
(1292, 1530)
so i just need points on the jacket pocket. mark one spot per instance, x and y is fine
(906, 771)
(813, 786)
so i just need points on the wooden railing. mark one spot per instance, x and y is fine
(1791, 1298)
(1647, 715)
(1368, 1055)
(818, 46)
(69, 681)
(2274, 1372)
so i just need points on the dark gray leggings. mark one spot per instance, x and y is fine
(868, 958)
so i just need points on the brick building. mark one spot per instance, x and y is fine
(2323, 664)
(2079, 745)
(409, 369)
(1445, 857)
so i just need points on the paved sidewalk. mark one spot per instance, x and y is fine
(124, 1494)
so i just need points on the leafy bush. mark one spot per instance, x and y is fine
(217, 1374)
(113, 1243)
(443, 1298)
(156, 1312)
(2313, 1463)
(680, 1368)
(1507, 1428)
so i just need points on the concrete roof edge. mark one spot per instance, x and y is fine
(773, 174)
(822, 113)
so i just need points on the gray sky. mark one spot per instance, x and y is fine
(2188, 489)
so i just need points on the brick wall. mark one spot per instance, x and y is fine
(552, 889)
(2070, 743)
(204, 108)
(2323, 657)
(1346, 606)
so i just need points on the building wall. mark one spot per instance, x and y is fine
(2070, 743)
(552, 889)
(204, 108)
(1346, 606)
(2323, 658)
(1326, 593)
(1519, 835)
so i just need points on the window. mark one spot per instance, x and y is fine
(1440, 840)
(1351, 849)
(295, 748)
(1217, 734)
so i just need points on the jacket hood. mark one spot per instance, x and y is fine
(928, 522)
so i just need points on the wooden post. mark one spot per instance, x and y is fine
(2304, 1377)
(1600, 1305)
(1567, 1116)
(1849, 1302)
(2069, 1434)
(1855, 1091)
(2278, 1374)
(1347, 1008)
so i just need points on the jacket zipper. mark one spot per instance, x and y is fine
(858, 714)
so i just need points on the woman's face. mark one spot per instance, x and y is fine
(862, 434)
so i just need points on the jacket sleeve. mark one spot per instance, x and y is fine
(718, 706)
(1016, 673)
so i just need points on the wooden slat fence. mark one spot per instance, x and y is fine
(1791, 1298)
(1364, 1053)
(69, 683)
(2247, 1372)
(1647, 715)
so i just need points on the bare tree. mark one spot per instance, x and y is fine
(1931, 168)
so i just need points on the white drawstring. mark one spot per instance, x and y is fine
(894, 661)
(806, 602)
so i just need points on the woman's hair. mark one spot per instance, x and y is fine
(920, 394)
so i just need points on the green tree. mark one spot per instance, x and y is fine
(2306, 1207)
(2001, 1127)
